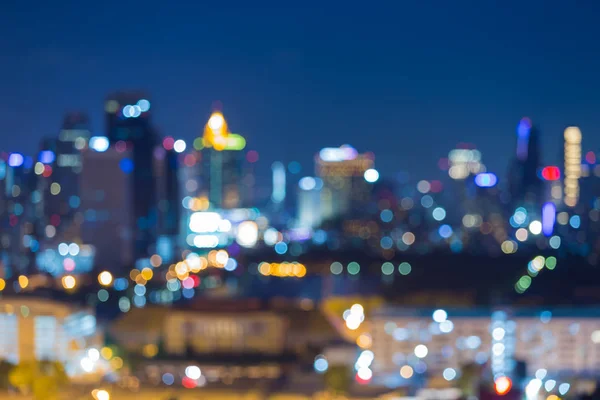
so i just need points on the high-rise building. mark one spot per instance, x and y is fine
(309, 202)
(58, 166)
(17, 217)
(222, 163)
(128, 126)
(526, 188)
(107, 207)
(344, 186)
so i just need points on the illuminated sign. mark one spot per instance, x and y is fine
(551, 173)
(46, 157)
(235, 142)
(337, 154)
(247, 234)
(486, 180)
(548, 218)
(15, 159)
(208, 222)
(99, 143)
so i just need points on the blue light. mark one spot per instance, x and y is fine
(294, 167)
(168, 379)
(386, 215)
(128, 111)
(74, 201)
(120, 284)
(445, 231)
(548, 218)
(139, 301)
(281, 248)
(46, 157)
(144, 105)
(231, 264)
(386, 242)
(126, 165)
(575, 221)
(15, 160)
(523, 131)
(486, 180)
(321, 365)
(99, 143)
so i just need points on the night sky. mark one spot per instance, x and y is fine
(407, 80)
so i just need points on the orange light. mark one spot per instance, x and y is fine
(502, 385)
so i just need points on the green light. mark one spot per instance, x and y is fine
(405, 268)
(198, 143)
(524, 282)
(551, 262)
(235, 142)
(387, 268)
(336, 268)
(353, 268)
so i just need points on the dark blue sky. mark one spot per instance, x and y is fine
(404, 79)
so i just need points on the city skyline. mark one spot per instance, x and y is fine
(282, 92)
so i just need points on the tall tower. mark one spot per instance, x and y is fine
(58, 166)
(128, 127)
(572, 165)
(222, 162)
(525, 185)
(344, 186)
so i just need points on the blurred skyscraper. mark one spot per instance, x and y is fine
(222, 162)
(107, 206)
(128, 126)
(58, 167)
(525, 186)
(342, 171)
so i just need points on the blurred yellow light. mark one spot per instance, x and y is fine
(264, 268)
(68, 282)
(156, 260)
(299, 270)
(133, 274)
(509, 247)
(55, 188)
(116, 363)
(100, 394)
(364, 341)
(150, 350)
(147, 273)
(23, 281)
(2, 284)
(181, 268)
(106, 353)
(140, 280)
(216, 121)
(553, 397)
(406, 372)
(221, 257)
(105, 278)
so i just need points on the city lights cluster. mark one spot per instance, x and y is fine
(282, 270)
(534, 267)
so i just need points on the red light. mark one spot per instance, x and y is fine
(590, 157)
(188, 383)
(168, 143)
(551, 173)
(502, 385)
(252, 156)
